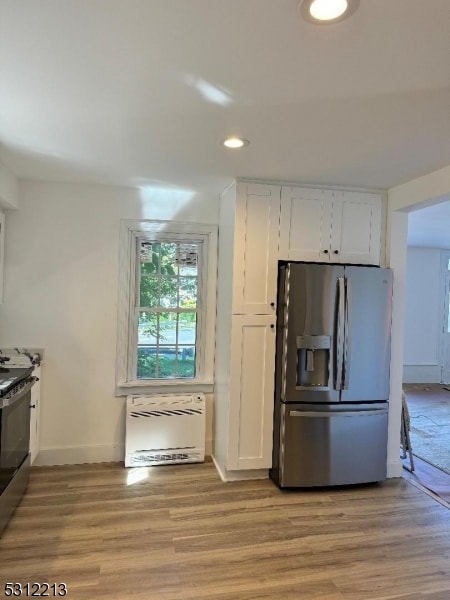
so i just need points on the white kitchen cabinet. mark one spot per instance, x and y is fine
(252, 391)
(305, 223)
(35, 410)
(260, 224)
(330, 226)
(255, 248)
(245, 334)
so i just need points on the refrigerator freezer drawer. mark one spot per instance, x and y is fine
(332, 448)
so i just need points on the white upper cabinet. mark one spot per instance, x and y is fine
(305, 223)
(356, 228)
(257, 217)
(330, 226)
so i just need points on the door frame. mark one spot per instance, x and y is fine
(424, 191)
(444, 327)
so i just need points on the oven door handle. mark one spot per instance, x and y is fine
(4, 402)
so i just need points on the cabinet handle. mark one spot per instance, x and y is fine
(325, 251)
(336, 251)
(272, 304)
(32, 405)
(272, 326)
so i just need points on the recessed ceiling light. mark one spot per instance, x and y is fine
(235, 142)
(327, 11)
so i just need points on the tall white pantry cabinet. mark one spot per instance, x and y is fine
(260, 224)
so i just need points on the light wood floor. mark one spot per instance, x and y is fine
(183, 534)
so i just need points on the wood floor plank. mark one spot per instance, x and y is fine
(180, 533)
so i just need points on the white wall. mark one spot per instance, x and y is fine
(61, 278)
(423, 318)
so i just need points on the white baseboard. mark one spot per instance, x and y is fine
(421, 374)
(244, 475)
(394, 469)
(446, 376)
(77, 455)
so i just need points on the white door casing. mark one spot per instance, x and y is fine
(445, 340)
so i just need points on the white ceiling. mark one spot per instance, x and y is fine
(140, 92)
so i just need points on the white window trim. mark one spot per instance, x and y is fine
(130, 230)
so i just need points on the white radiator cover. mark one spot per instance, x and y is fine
(165, 429)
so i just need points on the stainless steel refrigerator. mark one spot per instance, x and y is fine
(331, 374)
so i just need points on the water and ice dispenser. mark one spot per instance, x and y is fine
(313, 361)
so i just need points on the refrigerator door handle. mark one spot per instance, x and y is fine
(344, 413)
(347, 332)
(339, 333)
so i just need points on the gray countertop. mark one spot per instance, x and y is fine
(22, 357)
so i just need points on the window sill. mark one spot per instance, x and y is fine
(142, 388)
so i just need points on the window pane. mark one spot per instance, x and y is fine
(169, 292)
(189, 271)
(186, 361)
(187, 255)
(147, 328)
(156, 362)
(166, 345)
(167, 328)
(146, 362)
(188, 292)
(168, 284)
(165, 362)
(149, 292)
(158, 258)
(150, 257)
(187, 328)
(167, 259)
(146, 252)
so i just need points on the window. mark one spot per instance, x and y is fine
(166, 305)
(167, 290)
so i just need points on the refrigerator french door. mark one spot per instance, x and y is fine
(331, 374)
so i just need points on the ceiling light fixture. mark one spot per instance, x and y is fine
(327, 11)
(235, 142)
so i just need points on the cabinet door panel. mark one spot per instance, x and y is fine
(35, 415)
(305, 224)
(357, 238)
(252, 392)
(256, 250)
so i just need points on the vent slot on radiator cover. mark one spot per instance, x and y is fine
(165, 429)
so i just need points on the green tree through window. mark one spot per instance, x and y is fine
(167, 309)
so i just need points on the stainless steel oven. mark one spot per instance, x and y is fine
(15, 400)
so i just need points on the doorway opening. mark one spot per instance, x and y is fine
(426, 370)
